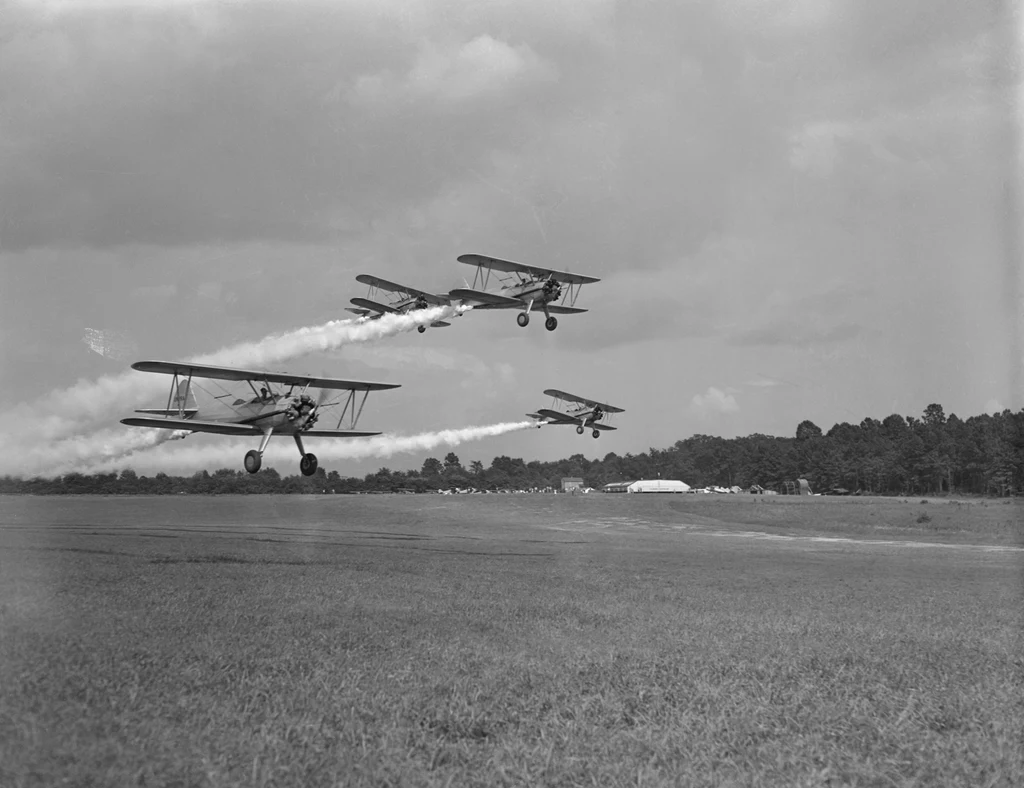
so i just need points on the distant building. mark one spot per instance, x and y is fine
(616, 487)
(659, 486)
(570, 483)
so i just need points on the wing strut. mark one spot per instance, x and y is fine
(350, 401)
(182, 398)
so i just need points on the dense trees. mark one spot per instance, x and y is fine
(983, 455)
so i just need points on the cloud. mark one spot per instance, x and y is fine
(477, 68)
(714, 401)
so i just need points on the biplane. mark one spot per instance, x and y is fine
(281, 405)
(522, 287)
(401, 300)
(580, 411)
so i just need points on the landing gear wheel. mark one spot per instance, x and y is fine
(551, 324)
(308, 464)
(523, 319)
(596, 433)
(253, 461)
(579, 429)
(421, 329)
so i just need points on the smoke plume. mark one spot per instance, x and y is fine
(282, 451)
(55, 428)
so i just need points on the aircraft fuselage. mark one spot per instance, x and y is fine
(278, 412)
(539, 291)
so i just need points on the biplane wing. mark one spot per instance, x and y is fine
(509, 267)
(582, 401)
(393, 287)
(554, 416)
(485, 300)
(232, 428)
(247, 375)
(372, 306)
(558, 309)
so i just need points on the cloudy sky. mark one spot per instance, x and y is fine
(797, 208)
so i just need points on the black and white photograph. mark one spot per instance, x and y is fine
(511, 393)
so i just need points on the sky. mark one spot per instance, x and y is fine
(798, 209)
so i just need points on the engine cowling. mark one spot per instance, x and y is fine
(552, 289)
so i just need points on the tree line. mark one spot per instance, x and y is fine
(933, 454)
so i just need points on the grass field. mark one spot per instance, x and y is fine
(510, 640)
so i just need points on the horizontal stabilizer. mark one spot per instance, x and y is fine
(440, 324)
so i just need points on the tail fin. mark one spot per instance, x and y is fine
(184, 399)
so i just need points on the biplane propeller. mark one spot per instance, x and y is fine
(287, 411)
(580, 411)
(401, 300)
(523, 287)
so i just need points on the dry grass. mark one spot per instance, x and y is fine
(505, 641)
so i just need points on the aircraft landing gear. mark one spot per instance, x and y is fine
(523, 319)
(596, 433)
(253, 461)
(551, 324)
(421, 329)
(308, 464)
(579, 429)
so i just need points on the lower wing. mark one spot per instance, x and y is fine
(373, 306)
(230, 428)
(485, 300)
(216, 427)
(554, 417)
(558, 309)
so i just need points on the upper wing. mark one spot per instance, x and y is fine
(582, 401)
(231, 373)
(486, 300)
(510, 267)
(373, 306)
(232, 428)
(394, 287)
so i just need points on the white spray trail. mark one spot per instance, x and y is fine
(281, 449)
(80, 408)
(84, 451)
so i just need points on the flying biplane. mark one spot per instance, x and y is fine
(583, 412)
(402, 300)
(288, 411)
(523, 287)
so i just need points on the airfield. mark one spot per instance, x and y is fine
(510, 640)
